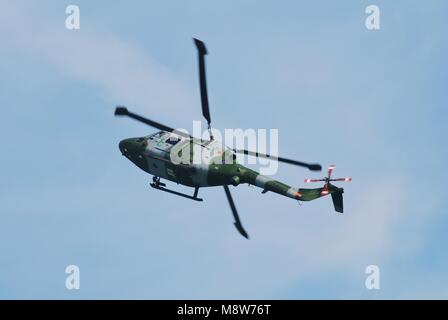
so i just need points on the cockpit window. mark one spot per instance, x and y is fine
(172, 140)
(156, 135)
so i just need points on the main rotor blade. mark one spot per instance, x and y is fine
(123, 111)
(202, 51)
(310, 166)
(237, 222)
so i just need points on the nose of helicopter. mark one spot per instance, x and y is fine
(124, 146)
(129, 146)
(134, 149)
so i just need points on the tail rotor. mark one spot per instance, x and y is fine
(327, 180)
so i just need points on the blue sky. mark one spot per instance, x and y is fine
(371, 102)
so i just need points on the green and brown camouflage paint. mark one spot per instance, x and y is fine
(153, 155)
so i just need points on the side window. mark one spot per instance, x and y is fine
(172, 140)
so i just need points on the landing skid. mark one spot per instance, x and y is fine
(156, 184)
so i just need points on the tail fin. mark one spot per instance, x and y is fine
(336, 196)
(338, 201)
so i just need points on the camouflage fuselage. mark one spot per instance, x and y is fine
(197, 163)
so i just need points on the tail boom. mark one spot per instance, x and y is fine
(268, 184)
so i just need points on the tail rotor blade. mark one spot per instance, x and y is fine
(342, 179)
(313, 180)
(237, 222)
(330, 170)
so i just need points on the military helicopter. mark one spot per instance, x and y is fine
(170, 154)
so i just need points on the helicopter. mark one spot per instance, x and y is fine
(170, 154)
